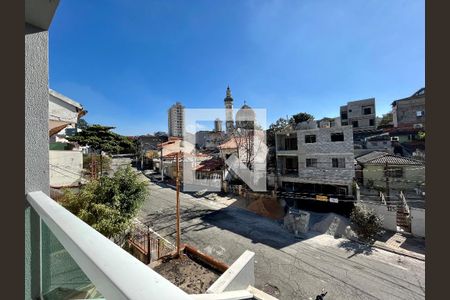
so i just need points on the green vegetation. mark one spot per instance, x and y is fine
(301, 117)
(60, 146)
(421, 135)
(102, 139)
(367, 224)
(110, 203)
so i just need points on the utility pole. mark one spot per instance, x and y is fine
(161, 165)
(178, 204)
(386, 174)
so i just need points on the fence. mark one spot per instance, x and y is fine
(146, 244)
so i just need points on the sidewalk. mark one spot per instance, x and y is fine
(401, 243)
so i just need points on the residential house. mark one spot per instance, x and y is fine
(329, 122)
(388, 171)
(66, 164)
(360, 114)
(410, 112)
(316, 160)
(381, 142)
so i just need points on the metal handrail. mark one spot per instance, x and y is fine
(114, 272)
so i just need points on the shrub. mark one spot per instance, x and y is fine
(109, 203)
(367, 224)
(105, 162)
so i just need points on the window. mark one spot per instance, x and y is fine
(311, 162)
(338, 162)
(367, 110)
(337, 137)
(420, 113)
(371, 122)
(394, 172)
(344, 115)
(290, 143)
(310, 138)
(344, 123)
(355, 123)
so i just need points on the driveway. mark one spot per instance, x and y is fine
(288, 267)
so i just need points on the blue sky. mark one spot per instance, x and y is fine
(127, 62)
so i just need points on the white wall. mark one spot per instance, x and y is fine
(389, 215)
(238, 276)
(418, 221)
(65, 167)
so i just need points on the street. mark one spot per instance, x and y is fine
(285, 266)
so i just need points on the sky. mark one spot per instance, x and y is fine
(127, 62)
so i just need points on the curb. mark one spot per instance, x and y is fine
(401, 252)
(389, 249)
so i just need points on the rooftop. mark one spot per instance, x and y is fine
(381, 158)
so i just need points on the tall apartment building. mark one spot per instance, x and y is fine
(176, 120)
(360, 114)
(316, 160)
(410, 112)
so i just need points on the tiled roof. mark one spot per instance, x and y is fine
(209, 165)
(369, 156)
(381, 158)
(230, 144)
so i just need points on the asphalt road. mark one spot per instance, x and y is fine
(293, 268)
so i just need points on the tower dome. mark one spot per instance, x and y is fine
(245, 117)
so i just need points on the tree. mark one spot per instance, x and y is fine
(386, 121)
(102, 139)
(160, 134)
(110, 203)
(279, 125)
(421, 135)
(82, 124)
(366, 223)
(301, 117)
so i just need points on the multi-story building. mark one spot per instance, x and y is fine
(316, 160)
(176, 120)
(410, 112)
(217, 125)
(360, 114)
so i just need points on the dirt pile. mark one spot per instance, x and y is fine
(187, 274)
(267, 207)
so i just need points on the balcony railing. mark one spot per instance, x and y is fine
(115, 273)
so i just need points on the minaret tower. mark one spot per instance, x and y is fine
(229, 123)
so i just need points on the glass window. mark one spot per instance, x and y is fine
(337, 137)
(367, 110)
(371, 122)
(311, 162)
(394, 172)
(310, 138)
(355, 123)
(338, 162)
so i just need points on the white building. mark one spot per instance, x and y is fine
(176, 120)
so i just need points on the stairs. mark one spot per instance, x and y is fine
(403, 219)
